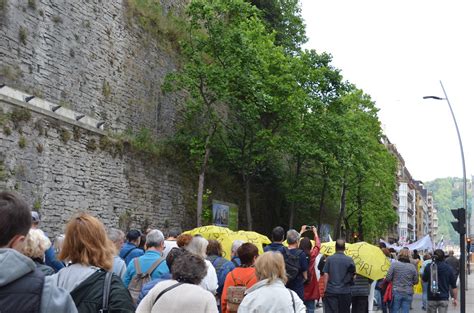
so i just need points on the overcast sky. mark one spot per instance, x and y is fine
(397, 51)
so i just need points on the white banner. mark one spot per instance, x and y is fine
(424, 243)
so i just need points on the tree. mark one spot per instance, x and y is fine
(212, 59)
(284, 18)
(262, 101)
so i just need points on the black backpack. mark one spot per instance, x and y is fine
(292, 263)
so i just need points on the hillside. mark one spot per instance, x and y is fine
(447, 194)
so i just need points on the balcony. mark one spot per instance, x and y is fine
(410, 226)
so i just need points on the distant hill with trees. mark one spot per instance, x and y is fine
(447, 195)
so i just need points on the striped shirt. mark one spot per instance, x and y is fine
(403, 276)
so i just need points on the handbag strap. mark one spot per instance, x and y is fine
(106, 293)
(137, 266)
(154, 266)
(166, 290)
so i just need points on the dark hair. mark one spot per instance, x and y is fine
(133, 235)
(387, 252)
(340, 245)
(382, 245)
(15, 217)
(246, 253)
(174, 233)
(214, 248)
(172, 255)
(189, 268)
(278, 233)
(438, 255)
(305, 245)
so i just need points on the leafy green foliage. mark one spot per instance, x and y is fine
(284, 18)
(302, 144)
(447, 195)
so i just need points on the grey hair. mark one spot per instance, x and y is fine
(198, 246)
(236, 245)
(154, 238)
(292, 236)
(116, 235)
(58, 243)
(189, 268)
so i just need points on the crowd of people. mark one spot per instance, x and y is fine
(434, 275)
(94, 269)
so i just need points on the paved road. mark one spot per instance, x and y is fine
(452, 309)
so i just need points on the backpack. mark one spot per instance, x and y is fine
(292, 263)
(235, 294)
(220, 263)
(93, 285)
(140, 278)
(434, 283)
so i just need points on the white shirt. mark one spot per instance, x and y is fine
(169, 244)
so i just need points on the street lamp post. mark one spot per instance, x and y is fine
(462, 244)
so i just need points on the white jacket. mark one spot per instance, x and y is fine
(209, 282)
(274, 297)
(185, 298)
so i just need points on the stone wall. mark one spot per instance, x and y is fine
(90, 56)
(62, 168)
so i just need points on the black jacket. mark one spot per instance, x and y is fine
(88, 295)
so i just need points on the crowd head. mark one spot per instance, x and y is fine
(15, 222)
(86, 243)
(183, 240)
(154, 239)
(189, 268)
(214, 248)
(117, 237)
(134, 236)
(247, 254)
(270, 266)
(278, 234)
(340, 245)
(292, 237)
(36, 243)
(198, 246)
(235, 245)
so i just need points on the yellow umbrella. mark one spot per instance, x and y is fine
(226, 237)
(369, 259)
(221, 234)
(252, 237)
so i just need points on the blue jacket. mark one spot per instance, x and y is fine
(146, 261)
(148, 286)
(133, 254)
(223, 267)
(275, 246)
(50, 259)
(236, 261)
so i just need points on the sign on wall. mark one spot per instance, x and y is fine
(225, 214)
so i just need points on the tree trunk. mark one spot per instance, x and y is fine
(202, 174)
(295, 186)
(359, 208)
(321, 202)
(247, 203)
(342, 210)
